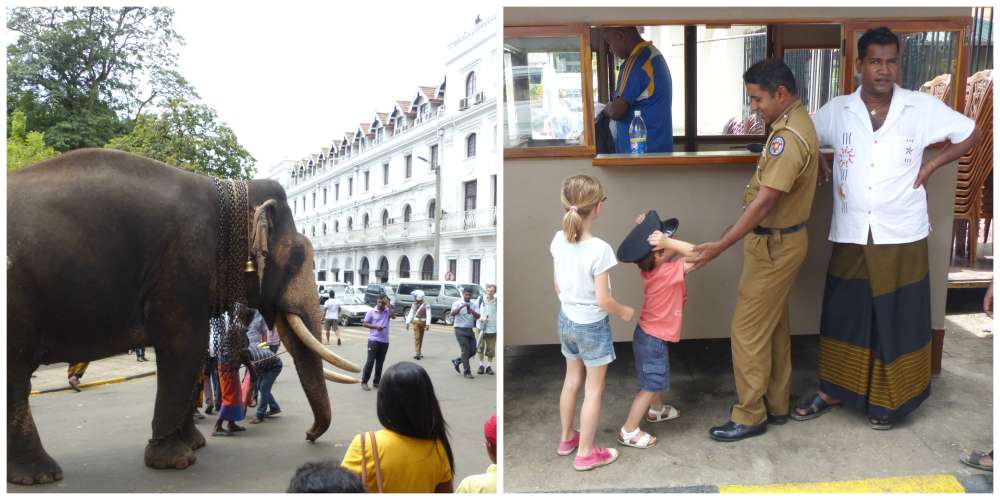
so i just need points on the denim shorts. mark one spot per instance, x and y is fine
(652, 361)
(590, 343)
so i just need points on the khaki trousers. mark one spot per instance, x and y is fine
(762, 362)
(418, 335)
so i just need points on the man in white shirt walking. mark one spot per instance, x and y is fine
(875, 331)
(418, 316)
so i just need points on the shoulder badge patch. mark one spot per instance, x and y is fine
(777, 146)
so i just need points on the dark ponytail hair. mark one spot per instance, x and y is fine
(407, 405)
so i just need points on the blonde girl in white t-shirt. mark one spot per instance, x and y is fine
(582, 262)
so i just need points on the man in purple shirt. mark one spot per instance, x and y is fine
(377, 321)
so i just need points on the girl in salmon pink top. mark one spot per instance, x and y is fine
(664, 295)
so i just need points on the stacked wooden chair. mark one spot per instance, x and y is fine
(975, 168)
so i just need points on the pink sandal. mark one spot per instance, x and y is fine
(569, 446)
(597, 458)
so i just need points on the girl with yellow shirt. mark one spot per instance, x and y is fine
(414, 455)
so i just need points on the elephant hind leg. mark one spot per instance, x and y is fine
(27, 461)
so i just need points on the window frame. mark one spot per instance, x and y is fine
(588, 148)
(470, 145)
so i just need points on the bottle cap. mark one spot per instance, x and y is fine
(635, 113)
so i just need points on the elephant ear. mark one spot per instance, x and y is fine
(261, 230)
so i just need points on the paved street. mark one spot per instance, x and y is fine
(839, 446)
(98, 435)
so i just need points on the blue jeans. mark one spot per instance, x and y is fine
(592, 342)
(265, 380)
(652, 361)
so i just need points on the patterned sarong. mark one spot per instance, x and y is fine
(232, 404)
(875, 332)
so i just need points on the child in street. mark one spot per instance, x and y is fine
(582, 262)
(651, 247)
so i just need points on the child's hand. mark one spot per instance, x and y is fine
(627, 313)
(640, 218)
(658, 240)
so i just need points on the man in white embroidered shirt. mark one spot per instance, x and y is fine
(875, 331)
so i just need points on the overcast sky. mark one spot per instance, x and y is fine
(290, 78)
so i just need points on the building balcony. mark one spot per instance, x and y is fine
(467, 223)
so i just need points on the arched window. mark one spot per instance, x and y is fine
(383, 270)
(364, 271)
(470, 146)
(336, 226)
(431, 208)
(364, 222)
(324, 228)
(385, 217)
(407, 212)
(470, 84)
(404, 268)
(427, 268)
(313, 231)
(350, 224)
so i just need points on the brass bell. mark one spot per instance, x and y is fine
(249, 267)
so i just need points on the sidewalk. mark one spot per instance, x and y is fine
(52, 378)
(838, 452)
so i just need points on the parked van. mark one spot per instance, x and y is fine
(439, 295)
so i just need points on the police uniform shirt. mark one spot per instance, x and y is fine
(874, 171)
(644, 82)
(788, 163)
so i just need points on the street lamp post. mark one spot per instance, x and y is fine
(437, 201)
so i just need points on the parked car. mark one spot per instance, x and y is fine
(439, 295)
(373, 290)
(352, 310)
(326, 286)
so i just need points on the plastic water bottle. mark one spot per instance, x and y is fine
(637, 135)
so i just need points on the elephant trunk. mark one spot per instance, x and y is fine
(309, 367)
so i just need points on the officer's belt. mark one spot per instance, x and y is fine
(767, 231)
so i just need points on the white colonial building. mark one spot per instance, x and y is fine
(367, 200)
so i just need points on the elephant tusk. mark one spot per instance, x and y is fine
(339, 378)
(303, 334)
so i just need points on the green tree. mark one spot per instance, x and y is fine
(24, 148)
(188, 135)
(83, 75)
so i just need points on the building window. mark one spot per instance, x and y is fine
(364, 271)
(434, 156)
(314, 199)
(336, 226)
(470, 195)
(364, 222)
(475, 270)
(453, 269)
(383, 270)
(385, 217)
(385, 174)
(470, 146)
(324, 197)
(350, 224)
(295, 206)
(408, 160)
(350, 187)
(404, 268)
(367, 177)
(336, 192)
(427, 268)
(470, 84)
(493, 188)
(407, 212)
(312, 231)
(430, 209)
(324, 228)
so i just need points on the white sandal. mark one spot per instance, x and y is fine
(666, 413)
(636, 439)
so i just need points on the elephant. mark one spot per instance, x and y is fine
(148, 251)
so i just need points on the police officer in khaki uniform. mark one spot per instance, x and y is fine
(776, 206)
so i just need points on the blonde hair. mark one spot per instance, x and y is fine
(580, 196)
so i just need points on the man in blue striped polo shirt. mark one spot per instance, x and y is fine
(643, 84)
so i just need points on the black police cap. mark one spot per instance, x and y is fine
(636, 246)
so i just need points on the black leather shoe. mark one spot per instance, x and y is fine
(773, 419)
(735, 432)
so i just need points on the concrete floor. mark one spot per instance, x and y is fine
(837, 446)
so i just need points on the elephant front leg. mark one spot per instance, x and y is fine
(27, 461)
(174, 436)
